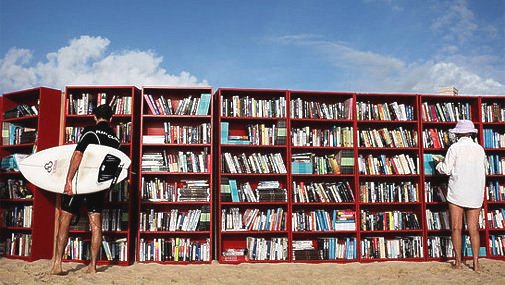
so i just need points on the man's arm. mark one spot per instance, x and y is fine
(75, 161)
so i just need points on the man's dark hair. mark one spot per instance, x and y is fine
(103, 111)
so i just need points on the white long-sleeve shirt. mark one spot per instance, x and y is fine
(465, 163)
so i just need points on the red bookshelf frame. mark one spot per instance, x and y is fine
(130, 147)
(48, 136)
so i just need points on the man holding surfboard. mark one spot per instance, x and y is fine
(101, 134)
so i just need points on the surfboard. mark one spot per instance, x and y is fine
(100, 165)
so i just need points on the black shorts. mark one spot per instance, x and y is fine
(94, 202)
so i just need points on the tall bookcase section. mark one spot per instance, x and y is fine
(118, 227)
(492, 116)
(440, 113)
(390, 207)
(175, 189)
(28, 119)
(252, 147)
(323, 185)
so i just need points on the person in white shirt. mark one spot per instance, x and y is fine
(465, 163)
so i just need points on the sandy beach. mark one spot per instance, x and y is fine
(394, 272)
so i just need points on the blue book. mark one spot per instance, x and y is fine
(234, 191)
(204, 104)
(224, 132)
(429, 164)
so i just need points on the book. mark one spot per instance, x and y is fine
(203, 104)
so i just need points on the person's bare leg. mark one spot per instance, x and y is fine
(472, 218)
(456, 213)
(61, 242)
(95, 221)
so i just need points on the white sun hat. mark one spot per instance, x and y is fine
(464, 127)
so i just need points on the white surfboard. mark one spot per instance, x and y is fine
(48, 169)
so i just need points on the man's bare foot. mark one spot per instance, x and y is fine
(91, 270)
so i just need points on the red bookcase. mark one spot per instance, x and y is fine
(253, 210)
(28, 119)
(175, 187)
(438, 115)
(388, 177)
(322, 177)
(119, 215)
(492, 137)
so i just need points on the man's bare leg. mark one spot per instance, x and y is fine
(61, 242)
(95, 221)
(456, 213)
(472, 218)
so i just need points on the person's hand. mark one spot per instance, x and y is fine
(68, 189)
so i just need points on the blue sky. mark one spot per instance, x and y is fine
(389, 46)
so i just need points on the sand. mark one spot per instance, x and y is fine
(393, 272)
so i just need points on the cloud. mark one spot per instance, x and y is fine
(86, 61)
(381, 73)
(456, 22)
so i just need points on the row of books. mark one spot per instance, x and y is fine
(18, 244)
(187, 190)
(384, 112)
(197, 134)
(389, 192)
(310, 163)
(328, 248)
(323, 221)
(437, 220)
(21, 110)
(384, 137)
(255, 134)
(174, 249)
(14, 189)
(13, 134)
(435, 192)
(114, 250)
(327, 192)
(389, 221)
(17, 216)
(402, 164)
(440, 247)
(245, 106)
(493, 139)
(495, 164)
(233, 219)
(190, 105)
(496, 218)
(332, 137)
(493, 113)
(84, 104)
(495, 191)
(122, 130)
(265, 191)
(115, 219)
(446, 112)
(400, 247)
(190, 162)
(497, 245)
(253, 163)
(175, 220)
(79, 249)
(303, 109)
(9, 162)
(120, 192)
(275, 248)
(435, 138)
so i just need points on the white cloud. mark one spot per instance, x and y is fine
(380, 73)
(86, 61)
(456, 22)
